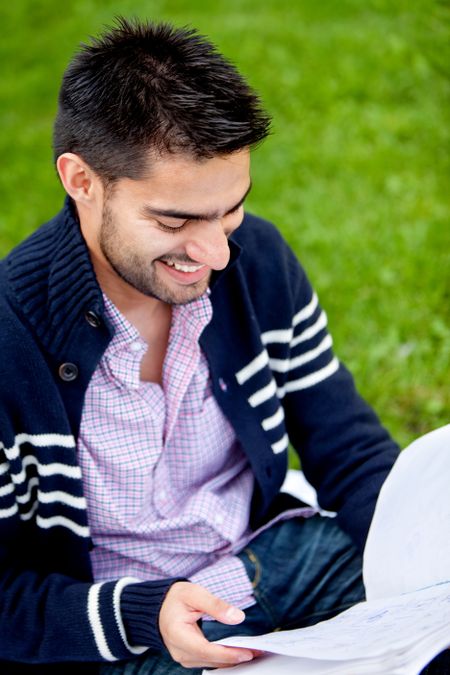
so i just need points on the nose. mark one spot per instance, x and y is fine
(208, 244)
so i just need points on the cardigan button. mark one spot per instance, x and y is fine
(68, 372)
(92, 318)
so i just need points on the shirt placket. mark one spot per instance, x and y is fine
(181, 362)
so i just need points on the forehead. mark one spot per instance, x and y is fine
(189, 183)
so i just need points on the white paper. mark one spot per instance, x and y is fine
(399, 629)
(397, 635)
(408, 545)
(275, 664)
(369, 629)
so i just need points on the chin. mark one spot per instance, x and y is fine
(180, 295)
(187, 296)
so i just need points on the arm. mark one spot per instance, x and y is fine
(49, 608)
(49, 616)
(296, 389)
(345, 452)
(46, 617)
(52, 618)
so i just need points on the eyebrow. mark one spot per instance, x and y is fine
(149, 211)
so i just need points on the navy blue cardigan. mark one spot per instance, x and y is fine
(274, 376)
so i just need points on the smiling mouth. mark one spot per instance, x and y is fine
(183, 268)
(185, 273)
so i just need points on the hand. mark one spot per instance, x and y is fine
(183, 606)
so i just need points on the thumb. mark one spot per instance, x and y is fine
(219, 609)
(231, 615)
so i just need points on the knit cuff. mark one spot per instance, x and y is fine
(140, 604)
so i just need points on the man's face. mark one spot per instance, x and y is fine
(163, 235)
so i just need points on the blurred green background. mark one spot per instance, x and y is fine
(355, 173)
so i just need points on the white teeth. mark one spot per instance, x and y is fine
(184, 268)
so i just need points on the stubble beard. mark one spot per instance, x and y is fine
(137, 271)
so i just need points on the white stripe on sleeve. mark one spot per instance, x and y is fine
(307, 311)
(38, 441)
(6, 490)
(274, 420)
(278, 336)
(310, 380)
(253, 367)
(310, 332)
(93, 610)
(281, 445)
(263, 394)
(29, 514)
(63, 498)
(62, 521)
(7, 513)
(118, 588)
(23, 499)
(67, 470)
(285, 365)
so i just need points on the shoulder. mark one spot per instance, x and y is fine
(25, 268)
(269, 266)
(28, 265)
(40, 242)
(264, 248)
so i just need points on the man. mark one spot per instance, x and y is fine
(159, 350)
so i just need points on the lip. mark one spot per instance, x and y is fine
(184, 278)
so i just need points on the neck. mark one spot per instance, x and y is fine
(148, 315)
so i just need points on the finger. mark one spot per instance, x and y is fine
(216, 657)
(194, 650)
(202, 600)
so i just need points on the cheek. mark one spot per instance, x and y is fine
(152, 246)
(142, 240)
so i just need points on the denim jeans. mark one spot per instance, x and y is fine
(302, 571)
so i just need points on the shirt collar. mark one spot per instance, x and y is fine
(127, 348)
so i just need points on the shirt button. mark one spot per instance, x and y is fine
(68, 372)
(136, 346)
(92, 318)
(219, 519)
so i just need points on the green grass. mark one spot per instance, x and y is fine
(355, 173)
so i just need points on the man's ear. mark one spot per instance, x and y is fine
(79, 180)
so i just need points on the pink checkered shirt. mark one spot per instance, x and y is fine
(167, 485)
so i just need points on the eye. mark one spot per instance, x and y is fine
(173, 229)
(236, 209)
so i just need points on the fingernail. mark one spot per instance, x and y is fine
(245, 657)
(235, 614)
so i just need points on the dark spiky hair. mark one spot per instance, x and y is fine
(143, 87)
